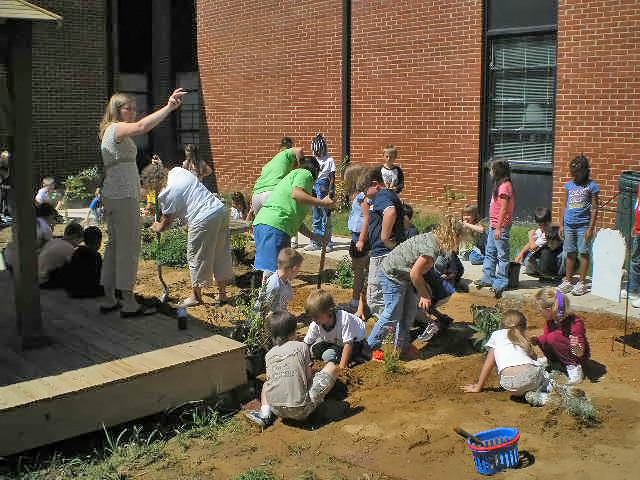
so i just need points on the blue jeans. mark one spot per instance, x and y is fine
(320, 215)
(476, 258)
(496, 259)
(634, 270)
(400, 308)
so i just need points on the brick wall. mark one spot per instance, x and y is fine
(417, 84)
(69, 86)
(598, 99)
(268, 69)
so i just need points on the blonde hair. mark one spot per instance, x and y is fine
(289, 258)
(391, 150)
(547, 299)
(153, 177)
(46, 181)
(112, 111)
(320, 301)
(448, 233)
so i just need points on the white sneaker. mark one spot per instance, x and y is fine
(565, 287)
(580, 288)
(536, 399)
(574, 372)
(636, 302)
(624, 294)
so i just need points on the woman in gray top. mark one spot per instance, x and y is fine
(121, 194)
(403, 284)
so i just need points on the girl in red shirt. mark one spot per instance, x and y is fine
(564, 339)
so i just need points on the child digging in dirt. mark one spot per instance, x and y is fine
(334, 335)
(276, 294)
(514, 357)
(291, 390)
(564, 340)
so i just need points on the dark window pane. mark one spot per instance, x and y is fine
(522, 13)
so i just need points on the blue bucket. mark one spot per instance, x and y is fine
(499, 450)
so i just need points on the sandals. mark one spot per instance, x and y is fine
(142, 311)
(104, 309)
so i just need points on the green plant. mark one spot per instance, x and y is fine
(577, 404)
(82, 186)
(486, 320)
(344, 274)
(298, 449)
(173, 247)
(391, 364)
(251, 322)
(239, 241)
(256, 474)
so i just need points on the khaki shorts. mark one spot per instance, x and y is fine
(530, 380)
(321, 385)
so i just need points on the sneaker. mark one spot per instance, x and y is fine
(565, 287)
(433, 328)
(480, 284)
(579, 288)
(536, 399)
(329, 248)
(312, 247)
(636, 303)
(254, 416)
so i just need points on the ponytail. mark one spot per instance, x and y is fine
(516, 324)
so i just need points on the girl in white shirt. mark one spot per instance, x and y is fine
(514, 357)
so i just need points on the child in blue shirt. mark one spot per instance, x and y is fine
(579, 211)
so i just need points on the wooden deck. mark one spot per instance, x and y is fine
(102, 369)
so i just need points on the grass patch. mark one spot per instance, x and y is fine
(256, 474)
(125, 450)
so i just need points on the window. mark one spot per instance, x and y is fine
(521, 99)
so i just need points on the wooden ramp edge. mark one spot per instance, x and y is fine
(49, 409)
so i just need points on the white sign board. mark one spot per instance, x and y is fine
(609, 250)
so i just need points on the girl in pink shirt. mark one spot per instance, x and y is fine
(496, 259)
(564, 339)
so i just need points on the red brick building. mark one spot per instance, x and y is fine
(452, 84)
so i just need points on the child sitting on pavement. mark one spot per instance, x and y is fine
(56, 254)
(515, 359)
(291, 390)
(334, 335)
(83, 271)
(542, 255)
(276, 294)
(474, 237)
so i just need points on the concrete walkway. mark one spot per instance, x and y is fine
(528, 285)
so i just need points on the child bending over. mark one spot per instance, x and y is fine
(291, 389)
(334, 335)
(540, 255)
(474, 237)
(515, 360)
(579, 212)
(276, 294)
(83, 271)
(564, 340)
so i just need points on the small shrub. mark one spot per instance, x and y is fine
(486, 320)
(344, 274)
(251, 324)
(173, 248)
(82, 186)
(239, 241)
(391, 364)
(256, 474)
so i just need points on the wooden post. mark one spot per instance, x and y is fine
(27, 294)
(163, 136)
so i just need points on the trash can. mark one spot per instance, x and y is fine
(625, 217)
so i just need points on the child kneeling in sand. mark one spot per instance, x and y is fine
(334, 335)
(291, 390)
(514, 357)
